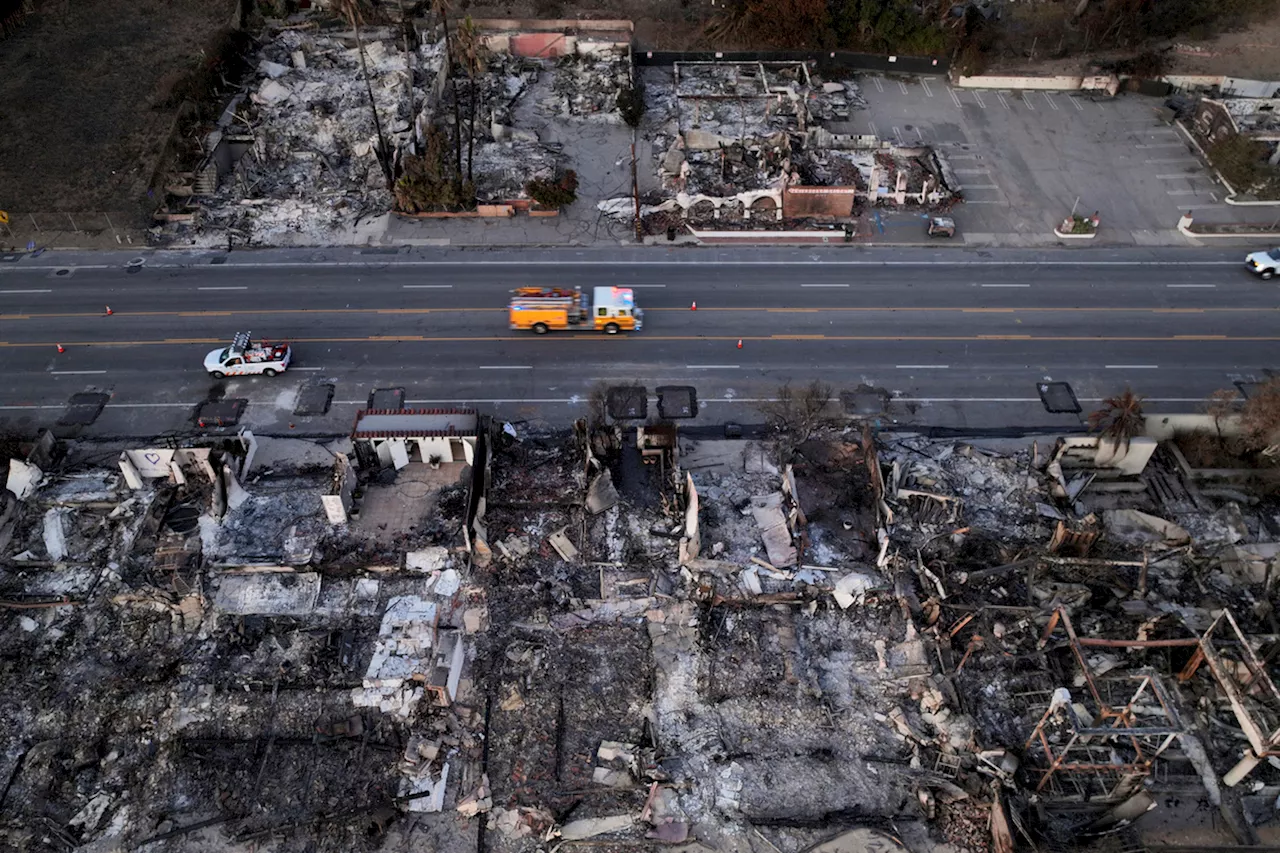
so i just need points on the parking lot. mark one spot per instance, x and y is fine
(1026, 158)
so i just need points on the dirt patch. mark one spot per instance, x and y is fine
(88, 93)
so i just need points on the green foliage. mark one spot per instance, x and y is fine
(430, 183)
(554, 194)
(1243, 162)
(631, 103)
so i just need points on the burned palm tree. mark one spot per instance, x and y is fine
(1119, 419)
(469, 57)
(441, 9)
(350, 9)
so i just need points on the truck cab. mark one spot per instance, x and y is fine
(610, 310)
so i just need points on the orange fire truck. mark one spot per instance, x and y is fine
(542, 309)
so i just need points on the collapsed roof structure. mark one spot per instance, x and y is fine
(443, 631)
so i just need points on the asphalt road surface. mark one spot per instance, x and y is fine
(959, 345)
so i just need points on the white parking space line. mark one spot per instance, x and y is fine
(969, 201)
(981, 186)
(1026, 101)
(1217, 206)
(919, 135)
(879, 85)
(897, 135)
(1182, 192)
(646, 285)
(874, 132)
(1190, 176)
(1052, 104)
(925, 83)
(955, 97)
(1154, 161)
(1075, 102)
(903, 86)
(977, 96)
(1147, 146)
(1003, 102)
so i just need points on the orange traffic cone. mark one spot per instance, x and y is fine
(739, 343)
(60, 349)
(694, 306)
(109, 311)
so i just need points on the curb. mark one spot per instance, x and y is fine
(1070, 236)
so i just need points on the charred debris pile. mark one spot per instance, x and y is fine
(621, 636)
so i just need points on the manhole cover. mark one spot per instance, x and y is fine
(1058, 398)
(677, 401)
(62, 273)
(627, 402)
(387, 399)
(314, 399)
(183, 518)
(83, 409)
(220, 413)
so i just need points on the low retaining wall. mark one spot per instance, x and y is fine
(786, 237)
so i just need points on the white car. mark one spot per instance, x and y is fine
(1264, 264)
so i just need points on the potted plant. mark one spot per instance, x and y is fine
(434, 461)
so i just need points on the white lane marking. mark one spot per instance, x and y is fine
(1006, 285)
(1215, 206)
(1166, 160)
(26, 291)
(1150, 145)
(1190, 176)
(1132, 366)
(1051, 102)
(222, 288)
(1001, 99)
(504, 367)
(711, 367)
(879, 85)
(955, 98)
(646, 285)
(1075, 103)
(1191, 285)
(978, 97)
(75, 372)
(981, 186)
(665, 261)
(307, 368)
(824, 285)
(903, 86)
(922, 366)
(928, 92)
(1182, 192)
(986, 201)
(426, 286)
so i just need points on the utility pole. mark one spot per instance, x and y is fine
(635, 194)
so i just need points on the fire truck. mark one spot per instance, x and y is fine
(542, 309)
(246, 357)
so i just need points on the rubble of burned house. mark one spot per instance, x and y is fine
(452, 633)
(760, 142)
(237, 641)
(296, 158)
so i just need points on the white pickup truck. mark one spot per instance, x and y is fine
(246, 358)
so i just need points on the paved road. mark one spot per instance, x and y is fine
(959, 341)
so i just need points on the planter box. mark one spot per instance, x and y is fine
(1067, 235)
(537, 212)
